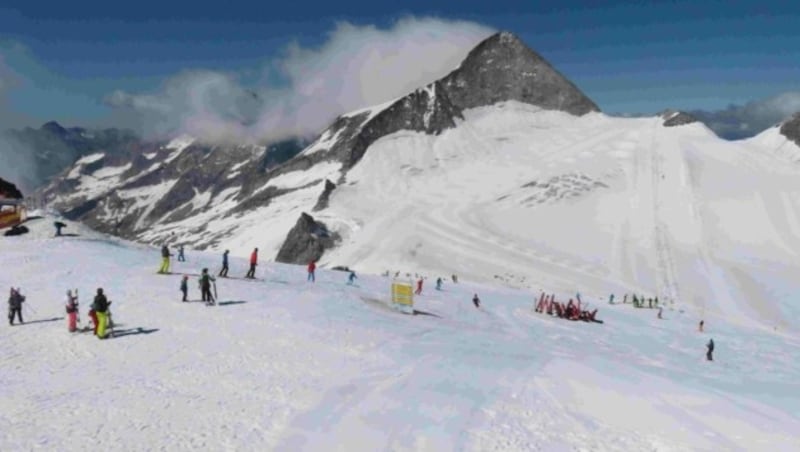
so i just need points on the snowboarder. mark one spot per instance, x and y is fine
(312, 266)
(59, 225)
(100, 308)
(72, 311)
(185, 286)
(439, 283)
(164, 260)
(700, 326)
(419, 287)
(15, 300)
(181, 256)
(205, 287)
(224, 272)
(253, 262)
(710, 347)
(476, 301)
(351, 278)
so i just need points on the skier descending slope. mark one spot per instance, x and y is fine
(72, 311)
(351, 278)
(100, 308)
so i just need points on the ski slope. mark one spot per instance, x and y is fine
(536, 198)
(283, 364)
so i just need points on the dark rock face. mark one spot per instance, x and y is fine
(306, 241)
(9, 190)
(791, 129)
(503, 68)
(677, 118)
(322, 202)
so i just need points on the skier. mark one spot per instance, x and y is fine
(181, 257)
(205, 287)
(164, 260)
(93, 316)
(476, 301)
(700, 326)
(59, 225)
(611, 299)
(72, 311)
(15, 300)
(100, 307)
(659, 313)
(224, 272)
(312, 265)
(351, 278)
(439, 283)
(710, 347)
(455, 278)
(253, 262)
(419, 287)
(185, 286)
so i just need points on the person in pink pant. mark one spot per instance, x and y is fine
(72, 311)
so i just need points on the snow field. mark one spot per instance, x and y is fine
(282, 364)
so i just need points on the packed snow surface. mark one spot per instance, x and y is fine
(285, 364)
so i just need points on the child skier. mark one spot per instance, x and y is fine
(72, 311)
(185, 286)
(205, 287)
(181, 257)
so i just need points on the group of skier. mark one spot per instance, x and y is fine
(569, 311)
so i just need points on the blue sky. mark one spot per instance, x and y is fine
(63, 61)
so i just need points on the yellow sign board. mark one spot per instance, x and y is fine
(403, 294)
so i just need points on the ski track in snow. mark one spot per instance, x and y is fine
(282, 364)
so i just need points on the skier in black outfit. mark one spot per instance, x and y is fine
(476, 301)
(205, 286)
(710, 346)
(15, 300)
(224, 272)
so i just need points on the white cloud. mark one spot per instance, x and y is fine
(357, 66)
(740, 121)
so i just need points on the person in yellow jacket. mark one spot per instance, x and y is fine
(100, 307)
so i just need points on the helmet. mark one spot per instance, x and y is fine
(99, 291)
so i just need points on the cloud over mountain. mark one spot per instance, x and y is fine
(301, 92)
(741, 121)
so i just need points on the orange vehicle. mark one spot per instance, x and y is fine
(12, 212)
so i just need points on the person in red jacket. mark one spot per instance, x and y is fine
(419, 287)
(253, 262)
(311, 267)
